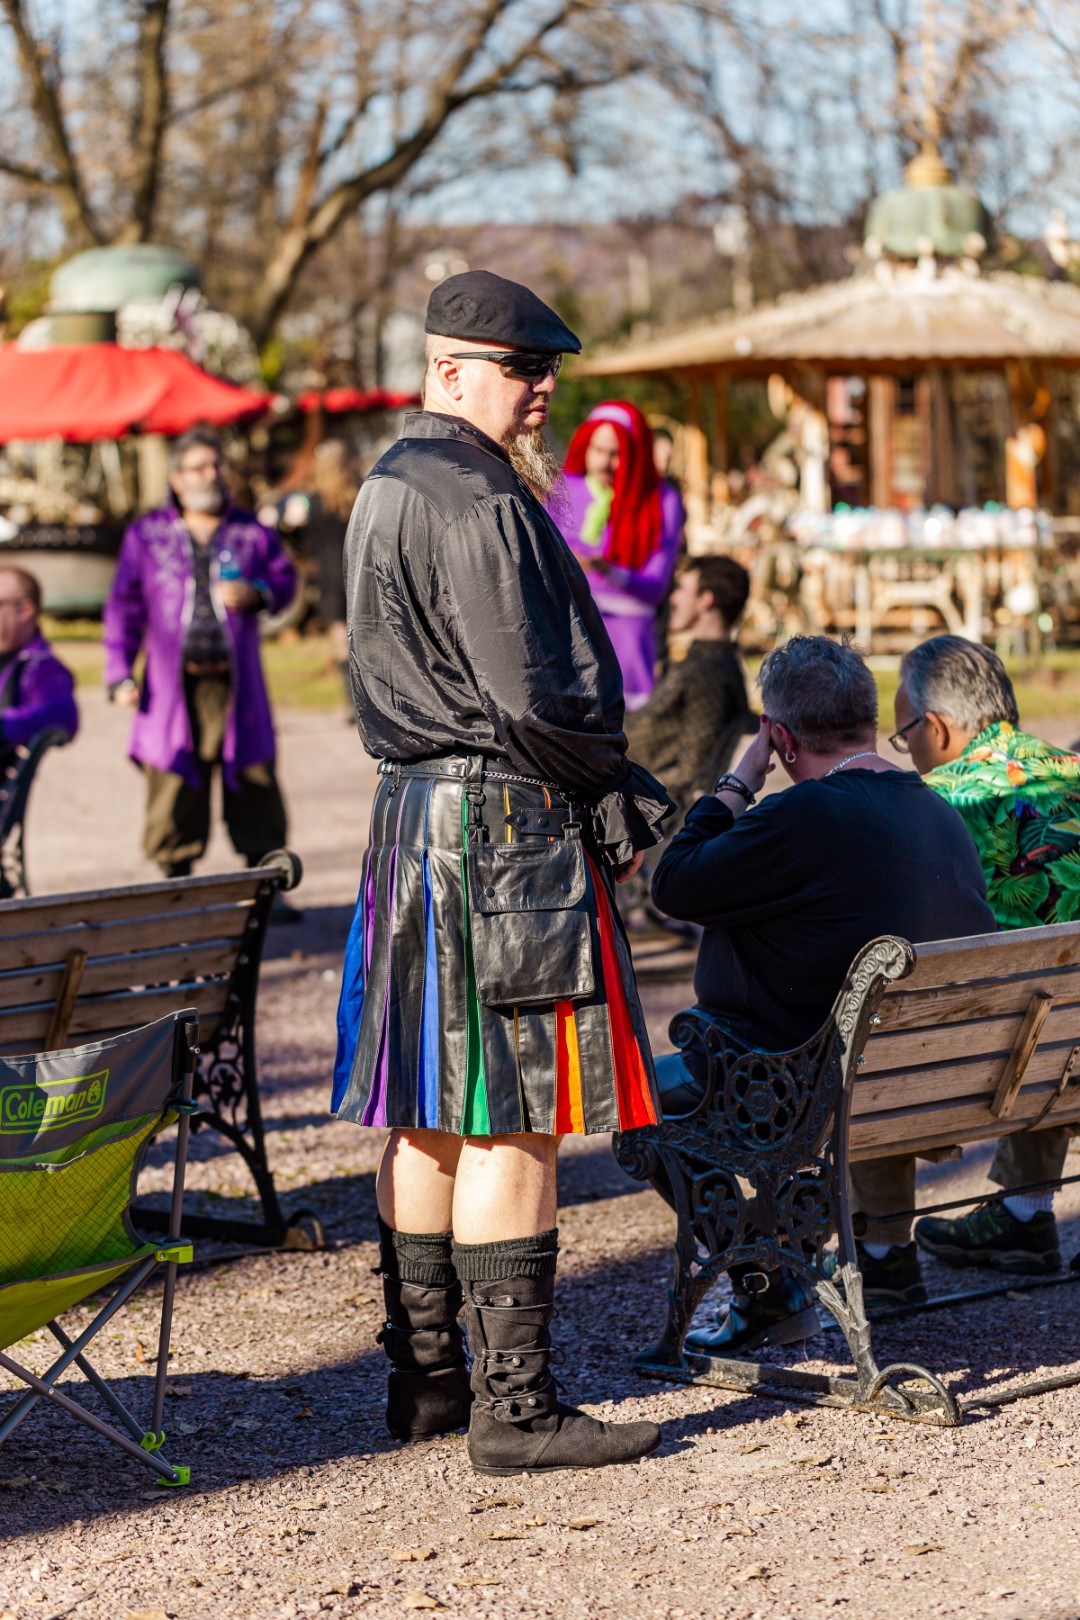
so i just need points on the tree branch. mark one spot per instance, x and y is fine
(45, 101)
(447, 96)
(151, 117)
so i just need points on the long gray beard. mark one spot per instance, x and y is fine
(534, 461)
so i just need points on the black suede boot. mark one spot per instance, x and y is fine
(428, 1391)
(781, 1312)
(518, 1423)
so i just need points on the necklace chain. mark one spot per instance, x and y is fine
(867, 753)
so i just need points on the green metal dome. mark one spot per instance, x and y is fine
(928, 215)
(107, 278)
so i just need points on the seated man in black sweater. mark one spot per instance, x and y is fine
(790, 890)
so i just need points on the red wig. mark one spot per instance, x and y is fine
(634, 531)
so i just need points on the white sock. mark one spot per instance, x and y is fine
(1028, 1205)
(877, 1251)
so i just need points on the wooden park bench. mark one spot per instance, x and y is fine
(15, 784)
(77, 966)
(959, 1041)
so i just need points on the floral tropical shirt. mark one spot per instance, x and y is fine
(1020, 799)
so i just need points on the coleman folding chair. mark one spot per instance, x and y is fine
(74, 1129)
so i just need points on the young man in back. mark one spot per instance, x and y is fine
(686, 732)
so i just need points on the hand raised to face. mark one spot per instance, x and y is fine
(757, 761)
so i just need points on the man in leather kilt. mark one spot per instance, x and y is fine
(488, 1003)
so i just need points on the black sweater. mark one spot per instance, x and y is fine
(792, 890)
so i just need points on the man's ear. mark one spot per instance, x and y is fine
(782, 740)
(940, 730)
(449, 375)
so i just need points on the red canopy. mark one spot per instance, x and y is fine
(91, 391)
(336, 400)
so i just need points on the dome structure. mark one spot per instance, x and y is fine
(928, 215)
(103, 280)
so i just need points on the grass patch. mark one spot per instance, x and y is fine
(300, 674)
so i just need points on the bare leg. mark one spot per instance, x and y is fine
(505, 1187)
(415, 1184)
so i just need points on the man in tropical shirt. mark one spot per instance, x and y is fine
(956, 715)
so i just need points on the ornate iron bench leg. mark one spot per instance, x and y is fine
(227, 1086)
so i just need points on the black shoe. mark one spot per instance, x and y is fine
(518, 1424)
(895, 1280)
(782, 1313)
(992, 1236)
(1074, 1263)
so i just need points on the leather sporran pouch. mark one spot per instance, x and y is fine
(530, 922)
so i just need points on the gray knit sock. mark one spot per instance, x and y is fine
(514, 1257)
(416, 1257)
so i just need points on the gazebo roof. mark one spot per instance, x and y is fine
(891, 316)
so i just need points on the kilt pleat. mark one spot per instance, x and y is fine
(428, 1053)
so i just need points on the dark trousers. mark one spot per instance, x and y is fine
(178, 814)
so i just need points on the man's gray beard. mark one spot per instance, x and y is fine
(533, 459)
(206, 501)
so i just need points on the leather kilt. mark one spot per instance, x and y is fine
(488, 986)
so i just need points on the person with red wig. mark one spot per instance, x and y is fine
(624, 526)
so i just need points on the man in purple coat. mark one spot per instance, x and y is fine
(37, 693)
(192, 579)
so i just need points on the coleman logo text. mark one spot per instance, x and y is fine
(51, 1103)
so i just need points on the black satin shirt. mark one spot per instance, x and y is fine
(472, 628)
(471, 625)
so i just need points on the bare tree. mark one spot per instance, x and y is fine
(297, 115)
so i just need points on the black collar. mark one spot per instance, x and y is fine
(435, 425)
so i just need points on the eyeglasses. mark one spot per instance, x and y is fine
(523, 364)
(899, 740)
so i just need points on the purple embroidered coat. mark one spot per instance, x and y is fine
(150, 605)
(46, 695)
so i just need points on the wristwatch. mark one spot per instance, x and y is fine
(734, 784)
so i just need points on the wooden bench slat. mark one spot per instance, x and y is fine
(102, 939)
(987, 956)
(902, 1008)
(110, 1013)
(18, 917)
(975, 1076)
(988, 1037)
(938, 1124)
(19, 991)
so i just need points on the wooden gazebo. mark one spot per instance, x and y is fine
(938, 379)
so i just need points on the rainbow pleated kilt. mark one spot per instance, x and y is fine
(421, 1043)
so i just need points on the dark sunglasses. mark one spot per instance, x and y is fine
(520, 363)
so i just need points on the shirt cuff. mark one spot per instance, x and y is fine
(630, 815)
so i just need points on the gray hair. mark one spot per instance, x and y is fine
(961, 680)
(195, 439)
(821, 690)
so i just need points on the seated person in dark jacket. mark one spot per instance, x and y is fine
(789, 890)
(37, 691)
(688, 728)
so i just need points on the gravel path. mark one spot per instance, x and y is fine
(300, 1505)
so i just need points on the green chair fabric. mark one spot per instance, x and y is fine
(74, 1128)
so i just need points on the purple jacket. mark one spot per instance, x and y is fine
(150, 605)
(46, 695)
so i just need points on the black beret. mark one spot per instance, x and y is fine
(480, 307)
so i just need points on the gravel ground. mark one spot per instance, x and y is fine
(300, 1505)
